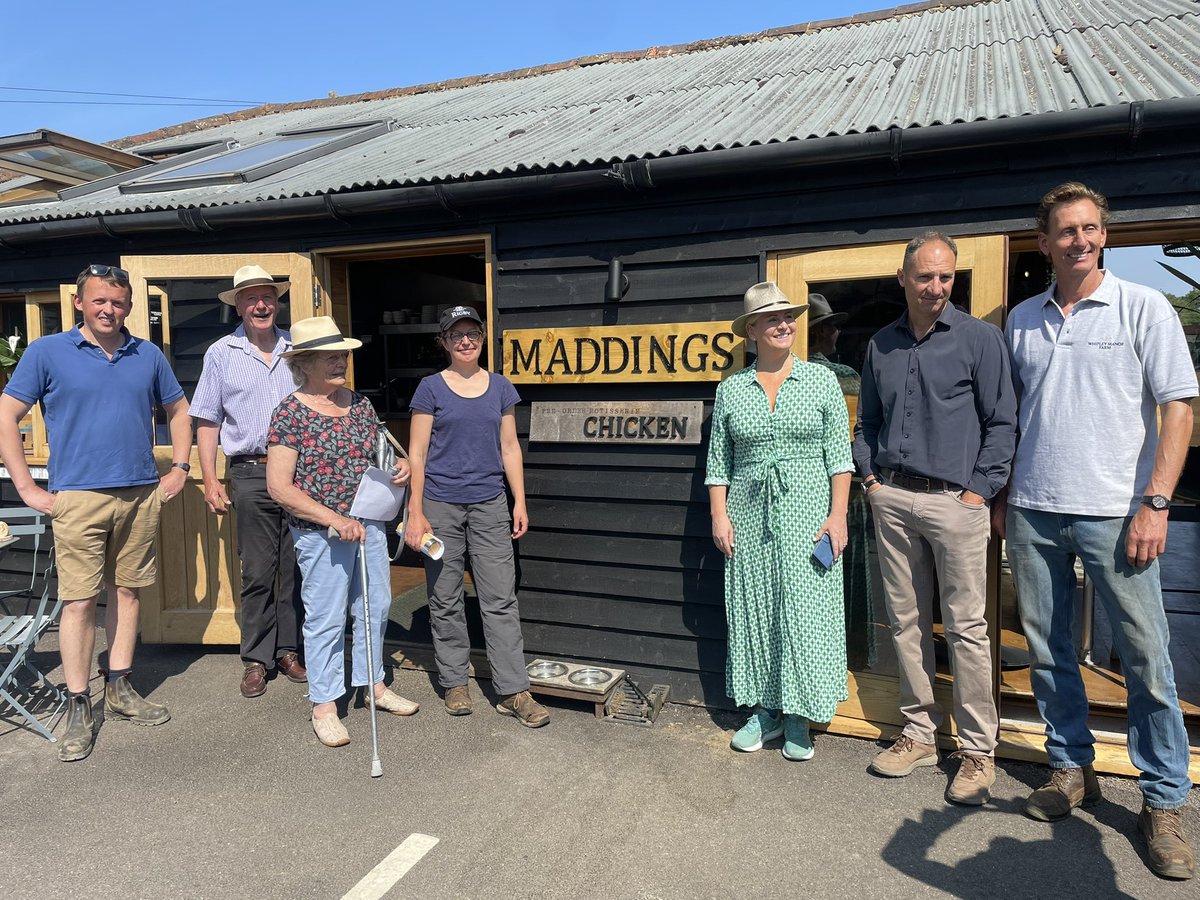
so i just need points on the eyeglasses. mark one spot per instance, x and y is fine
(457, 337)
(105, 271)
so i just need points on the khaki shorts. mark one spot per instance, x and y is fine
(103, 536)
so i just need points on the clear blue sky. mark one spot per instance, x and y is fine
(273, 51)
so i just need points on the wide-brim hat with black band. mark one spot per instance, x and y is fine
(820, 311)
(765, 297)
(318, 333)
(456, 314)
(250, 276)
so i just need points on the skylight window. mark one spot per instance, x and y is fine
(243, 164)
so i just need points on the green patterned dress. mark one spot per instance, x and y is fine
(787, 633)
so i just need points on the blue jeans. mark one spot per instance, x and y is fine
(330, 586)
(1042, 548)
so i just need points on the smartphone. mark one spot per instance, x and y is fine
(823, 551)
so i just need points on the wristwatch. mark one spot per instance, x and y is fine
(869, 482)
(1157, 501)
(187, 467)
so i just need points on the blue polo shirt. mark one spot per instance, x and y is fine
(99, 411)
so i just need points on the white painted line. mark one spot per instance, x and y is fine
(395, 866)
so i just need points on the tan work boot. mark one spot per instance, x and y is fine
(458, 700)
(1170, 855)
(1066, 789)
(80, 733)
(903, 757)
(123, 702)
(972, 786)
(527, 710)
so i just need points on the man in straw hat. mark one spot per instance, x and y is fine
(97, 384)
(934, 441)
(243, 380)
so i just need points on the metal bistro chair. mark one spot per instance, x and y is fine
(19, 633)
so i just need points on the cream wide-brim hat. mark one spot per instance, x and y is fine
(764, 297)
(318, 333)
(251, 276)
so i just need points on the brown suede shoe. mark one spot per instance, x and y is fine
(458, 700)
(1170, 855)
(903, 757)
(972, 786)
(1066, 790)
(254, 680)
(527, 710)
(289, 667)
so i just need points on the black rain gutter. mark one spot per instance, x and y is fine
(1126, 123)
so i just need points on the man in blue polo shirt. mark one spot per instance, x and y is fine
(99, 386)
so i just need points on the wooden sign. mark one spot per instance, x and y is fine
(617, 422)
(687, 351)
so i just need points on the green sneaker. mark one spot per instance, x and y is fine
(762, 726)
(797, 744)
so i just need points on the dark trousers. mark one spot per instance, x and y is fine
(271, 607)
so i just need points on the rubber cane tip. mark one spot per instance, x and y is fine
(376, 769)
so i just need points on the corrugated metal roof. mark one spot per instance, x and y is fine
(937, 66)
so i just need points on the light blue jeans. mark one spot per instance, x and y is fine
(1042, 548)
(329, 587)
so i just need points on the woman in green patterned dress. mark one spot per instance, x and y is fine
(778, 480)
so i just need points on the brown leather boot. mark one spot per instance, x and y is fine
(80, 734)
(1066, 790)
(458, 700)
(122, 702)
(1170, 854)
(526, 710)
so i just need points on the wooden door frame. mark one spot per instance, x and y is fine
(872, 698)
(197, 602)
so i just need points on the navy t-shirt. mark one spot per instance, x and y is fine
(99, 411)
(464, 464)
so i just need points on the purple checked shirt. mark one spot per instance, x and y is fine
(239, 391)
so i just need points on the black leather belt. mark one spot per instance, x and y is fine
(248, 460)
(918, 482)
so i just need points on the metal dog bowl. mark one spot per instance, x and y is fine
(589, 676)
(545, 669)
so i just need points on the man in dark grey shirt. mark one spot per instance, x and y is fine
(934, 442)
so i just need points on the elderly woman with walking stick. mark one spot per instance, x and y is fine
(322, 439)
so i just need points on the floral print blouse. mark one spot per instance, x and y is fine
(333, 451)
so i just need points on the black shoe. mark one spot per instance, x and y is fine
(80, 734)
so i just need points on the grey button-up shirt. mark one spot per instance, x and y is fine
(942, 406)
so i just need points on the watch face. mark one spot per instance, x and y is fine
(1158, 501)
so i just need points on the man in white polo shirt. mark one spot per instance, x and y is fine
(1097, 362)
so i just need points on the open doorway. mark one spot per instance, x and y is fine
(392, 298)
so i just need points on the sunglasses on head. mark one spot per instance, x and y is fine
(101, 271)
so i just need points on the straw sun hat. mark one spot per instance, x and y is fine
(249, 276)
(765, 297)
(318, 333)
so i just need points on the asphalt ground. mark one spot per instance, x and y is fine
(235, 797)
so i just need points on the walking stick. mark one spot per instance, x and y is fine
(376, 765)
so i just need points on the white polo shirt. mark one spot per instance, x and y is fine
(1088, 388)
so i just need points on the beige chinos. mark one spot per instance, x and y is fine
(927, 542)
